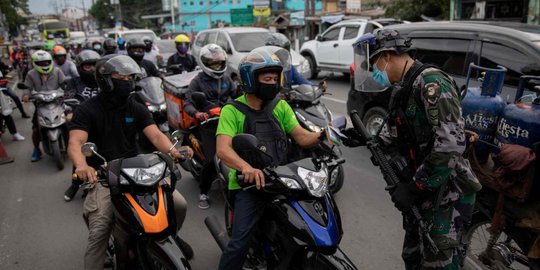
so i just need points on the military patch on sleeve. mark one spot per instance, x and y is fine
(433, 116)
(432, 92)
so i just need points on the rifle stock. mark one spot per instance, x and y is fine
(390, 177)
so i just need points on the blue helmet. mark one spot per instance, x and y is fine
(262, 60)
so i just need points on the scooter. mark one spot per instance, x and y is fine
(145, 233)
(313, 115)
(50, 106)
(301, 225)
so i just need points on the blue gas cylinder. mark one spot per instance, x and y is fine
(520, 122)
(482, 107)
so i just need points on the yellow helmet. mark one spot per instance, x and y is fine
(181, 38)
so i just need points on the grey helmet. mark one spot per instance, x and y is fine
(115, 64)
(278, 40)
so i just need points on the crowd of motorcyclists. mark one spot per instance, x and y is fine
(427, 132)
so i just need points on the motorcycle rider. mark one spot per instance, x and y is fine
(261, 76)
(43, 77)
(8, 119)
(427, 134)
(81, 88)
(111, 120)
(135, 49)
(181, 57)
(121, 46)
(291, 76)
(151, 52)
(218, 89)
(109, 46)
(59, 55)
(5, 69)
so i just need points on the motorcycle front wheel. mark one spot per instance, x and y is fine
(505, 254)
(58, 156)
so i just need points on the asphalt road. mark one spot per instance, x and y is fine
(38, 230)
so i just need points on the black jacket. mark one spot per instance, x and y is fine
(215, 95)
(188, 62)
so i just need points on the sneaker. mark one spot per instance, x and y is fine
(70, 193)
(36, 155)
(18, 137)
(204, 201)
(186, 248)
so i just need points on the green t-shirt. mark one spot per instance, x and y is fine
(231, 123)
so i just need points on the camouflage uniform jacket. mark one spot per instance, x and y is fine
(433, 113)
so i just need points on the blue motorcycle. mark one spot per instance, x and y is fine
(301, 226)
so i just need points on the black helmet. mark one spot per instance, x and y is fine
(278, 40)
(87, 57)
(109, 46)
(132, 45)
(389, 40)
(111, 64)
(148, 42)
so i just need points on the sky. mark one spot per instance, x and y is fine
(47, 6)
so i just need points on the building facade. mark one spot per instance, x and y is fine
(524, 11)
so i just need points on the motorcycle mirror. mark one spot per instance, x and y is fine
(245, 142)
(199, 99)
(89, 149)
(340, 122)
(22, 86)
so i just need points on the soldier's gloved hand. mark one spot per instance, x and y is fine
(201, 116)
(353, 138)
(405, 195)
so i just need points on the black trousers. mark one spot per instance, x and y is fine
(9, 123)
(207, 134)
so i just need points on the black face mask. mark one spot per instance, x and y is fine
(267, 92)
(122, 88)
(88, 78)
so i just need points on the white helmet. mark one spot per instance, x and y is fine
(213, 60)
(42, 62)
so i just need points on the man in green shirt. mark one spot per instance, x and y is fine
(270, 119)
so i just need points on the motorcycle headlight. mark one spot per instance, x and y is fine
(316, 182)
(290, 183)
(153, 108)
(162, 107)
(146, 176)
(49, 98)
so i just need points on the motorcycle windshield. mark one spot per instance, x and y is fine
(307, 92)
(152, 90)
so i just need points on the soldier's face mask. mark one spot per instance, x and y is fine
(381, 77)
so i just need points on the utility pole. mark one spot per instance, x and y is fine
(83, 18)
(173, 26)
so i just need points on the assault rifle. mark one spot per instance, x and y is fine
(390, 177)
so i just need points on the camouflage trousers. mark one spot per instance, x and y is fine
(447, 225)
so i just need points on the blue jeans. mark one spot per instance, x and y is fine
(248, 209)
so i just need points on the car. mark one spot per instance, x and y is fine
(166, 49)
(135, 33)
(452, 46)
(238, 42)
(332, 50)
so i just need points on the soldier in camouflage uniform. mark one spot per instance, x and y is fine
(427, 135)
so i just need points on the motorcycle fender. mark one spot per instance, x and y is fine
(53, 134)
(336, 261)
(151, 223)
(314, 223)
(168, 252)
